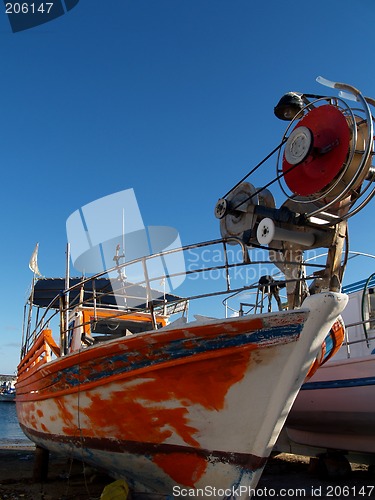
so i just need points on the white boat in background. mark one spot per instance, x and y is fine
(335, 409)
(8, 396)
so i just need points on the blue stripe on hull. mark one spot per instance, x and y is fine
(338, 384)
(182, 348)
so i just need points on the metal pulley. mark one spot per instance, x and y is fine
(237, 212)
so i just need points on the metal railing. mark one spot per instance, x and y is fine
(365, 340)
(120, 296)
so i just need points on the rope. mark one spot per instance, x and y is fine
(278, 177)
(256, 167)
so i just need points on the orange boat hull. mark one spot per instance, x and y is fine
(198, 406)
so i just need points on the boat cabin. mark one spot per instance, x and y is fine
(94, 310)
(88, 326)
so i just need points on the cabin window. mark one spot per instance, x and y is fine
(107, 329)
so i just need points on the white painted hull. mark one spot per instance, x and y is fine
(336, 408)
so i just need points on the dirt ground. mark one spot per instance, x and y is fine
(294, 476)
(66, 479)
(285, 476)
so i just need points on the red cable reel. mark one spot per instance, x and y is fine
(316, 152)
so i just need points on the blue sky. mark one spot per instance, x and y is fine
(173, 98)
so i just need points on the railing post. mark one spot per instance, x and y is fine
(150, 303)
(63, 326)
(67, 285)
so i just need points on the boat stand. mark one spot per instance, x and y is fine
(41, 462)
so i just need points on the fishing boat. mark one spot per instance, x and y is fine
(193, 406)
(335, 410)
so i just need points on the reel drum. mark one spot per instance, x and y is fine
(237, 212)
(327, 157)
(316, 151)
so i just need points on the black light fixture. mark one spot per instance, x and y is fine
(289, 105)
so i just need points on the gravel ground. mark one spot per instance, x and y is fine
(285, 476)
(294, 476)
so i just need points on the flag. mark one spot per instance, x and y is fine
(33, 264)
